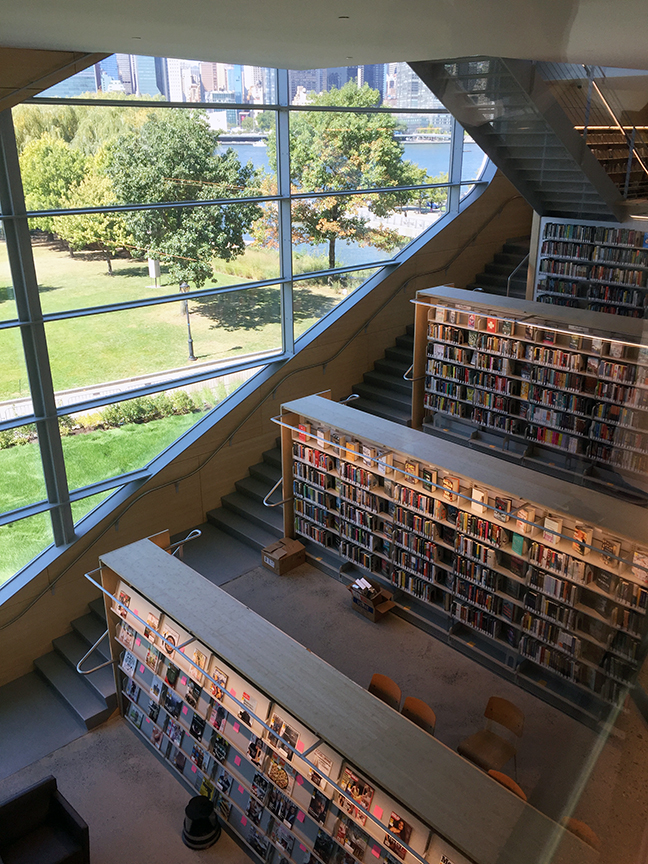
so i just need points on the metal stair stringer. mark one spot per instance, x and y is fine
(512, 114)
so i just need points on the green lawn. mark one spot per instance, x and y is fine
(89, 457)
(98, 348)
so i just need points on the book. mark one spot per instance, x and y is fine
(597, 345)
(471, 321)
(502, 508)
(304, 431)
(530, 332)
(152, 623)
(197, 728)
(218, 746)
(398, 830)
(172, 703)
(582, 539)
(129, 663)
(368, 455)
(318, 806)
(260, 786)
(125, 634)
(219, 688)
(479, 502)
(428, 478)
(552, 529)
(491, 325)
(517, 544)
(549, 337)
(440, 314)
(518, 566)
(153, 660)
(172, 673)
(352, 450)
(196, 672)
(192, 694)
(411, 472)
(450, 488)
(525, 519)
(323, 437)
(452, 316)
(506, 328)
(640, 566)
(156, 688)
(575, 341)
(385, 463)
(610, 550)
(358, 794)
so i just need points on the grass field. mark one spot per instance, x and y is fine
(98, 348)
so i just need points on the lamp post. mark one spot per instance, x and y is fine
(184, 286)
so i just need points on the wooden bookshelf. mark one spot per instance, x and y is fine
(334, 725)
(554, 388)
(600, 267)
(487, 560)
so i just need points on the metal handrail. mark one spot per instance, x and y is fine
(177, 547)
(411, 369)
(277, 503)
(88, 653)
(349, 398)
(513, 272)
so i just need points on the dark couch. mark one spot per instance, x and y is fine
(38, 826)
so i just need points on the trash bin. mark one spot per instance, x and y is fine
(201, 827)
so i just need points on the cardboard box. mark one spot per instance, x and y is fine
(284, 555)
(373, 606)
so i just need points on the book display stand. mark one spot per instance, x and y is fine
(556, 389)
(512, 568)
(303, 765)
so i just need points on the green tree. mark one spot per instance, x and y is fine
(51, 171)
(336, 152)
(172, 157)
(106, 232)
(32, 122)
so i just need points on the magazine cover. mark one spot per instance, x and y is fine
(175, 732)
(323, 765)
(197, 727)
(254, 810)
(125, 634)
(153, 710)
(152, 623)
(260, 786)
(172, 638)
(218, 746)
(129, 663)
(132, 690)
(318, 806)
(135, 715)
(156, 688)
(217, 690)
(157, 737)
(153, 658)
(359, 793)
(224, 782)
(324, 846)
(281, 774)
(351, 837)
(124, 603)
(200, 660)
(398, 830)
(217, 717)
(282, 837)
(192, 696)
(172, 703)
(256, 750)
(285, 735)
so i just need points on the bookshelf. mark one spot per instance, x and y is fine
(523, 576)
(558, 389)
(600, 267)
(259, 722)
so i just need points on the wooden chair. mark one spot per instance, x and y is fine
(419, 712)
(584, 833)
(487, 748)
(385, 689)
(509, 782)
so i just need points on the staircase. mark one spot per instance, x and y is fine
(242, 514)
(494, 279)
(516, 119)
(91, 697)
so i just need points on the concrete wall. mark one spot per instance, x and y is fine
(193, 483)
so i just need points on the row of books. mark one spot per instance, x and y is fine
(596, 234)
(417, 587)
(552, 633)
(314, 456)
(551, 658)
(475, 618)
(625, 459)
(564, 268)
(473, 377)
(559, 440)
(567, 250)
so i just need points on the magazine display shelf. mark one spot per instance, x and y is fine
(497, 572)
(598, 266)
(557, 389)
(296, 756)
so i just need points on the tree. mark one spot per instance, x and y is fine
(336, 152)
(172, 157)
(106, 232)
(51, 171)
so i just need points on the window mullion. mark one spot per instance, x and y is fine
(285, 208)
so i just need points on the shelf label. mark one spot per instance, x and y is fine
(300, 746)
(300, 816)
(241, 788)
(302, 847)
(243, 821)
(183, 680)
(194, 769)
(233, 692)
(378, 812)
(142, 669)
(184, 709)
(376, 851)
(138, 641)
(136, 612)
(237, 760)
(300, 780)
(236, 727)
(148, 719)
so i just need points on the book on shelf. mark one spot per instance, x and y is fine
(472, 321)
(582, 538)
(304, 431)
(385, 462)
(398, 829)
(597, 345)
(196, 672)
(129, 663)
(549, 337)
(506, 328)
(616, 350)
(517, 544)
(492, 325)
(502, 509)
(323, 437)
(153, 660)
(530, 332)
(352, 450)
(552, 529)
(610, 551)
(156, 688)
(450, 488)
(338, 441)
(575, 341)
(525, 519)
(440, 314)
(368, 456)
(452, 316)
(125, 634)
(479, 502)
(640, 566)
(411, 472)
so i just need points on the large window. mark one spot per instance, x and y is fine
(185, 223)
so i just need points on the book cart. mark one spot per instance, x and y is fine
(304, 765)
(598, 266)
(558, 389)
(518, 570)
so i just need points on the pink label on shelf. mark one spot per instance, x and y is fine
(237, 760)
(302, 847)
(233, 692)
(148, 719)
(236, 726)
(378, 812)
(243, 820)
(300, 746)
(300, 816)
(141, 668)
(241, 788)
(299, 779)
(136, 612)
(184, 709)
(376, 851)
(183, 680)
(193, 768)
(138, 641)
(182, 650)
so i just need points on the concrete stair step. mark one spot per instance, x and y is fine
(257, 489)
(270, 519)
(392, 367)
(410, 330)
(70, 686)
(97, 607)
(265, 472)
(243, 529)
(400, 355)
(391, 398)
(388, 382)
(90, 628)
(406, 342)
(396, 415)
(71, 647)
(273, 457)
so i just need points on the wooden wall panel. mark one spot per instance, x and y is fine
(497, 215)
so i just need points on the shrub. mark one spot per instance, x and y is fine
(182, 402)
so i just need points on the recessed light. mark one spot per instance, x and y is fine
(136, 37)
(343, 17)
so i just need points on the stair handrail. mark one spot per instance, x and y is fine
(513, 272)
(411, 369)
(88, 653)
(349, 398)
(266, 503)
(177, 546)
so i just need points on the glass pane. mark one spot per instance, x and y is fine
(157, 340)
(200, 246)
(77, 156)
(339, 231)
(132, 76)
(314, 298)
(85, 505)
(21, 541)
(336, 151)
(15, 396)
(125, 436)
(21, 472)
(474, 159)
(7, 302)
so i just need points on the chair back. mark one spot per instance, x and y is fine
(507, 781)
(385, 689)
(419, 712)
(584, 833)
(505, 713)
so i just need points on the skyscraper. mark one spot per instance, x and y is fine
(146, 83)
(374, 76)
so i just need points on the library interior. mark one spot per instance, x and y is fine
(324, 436)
